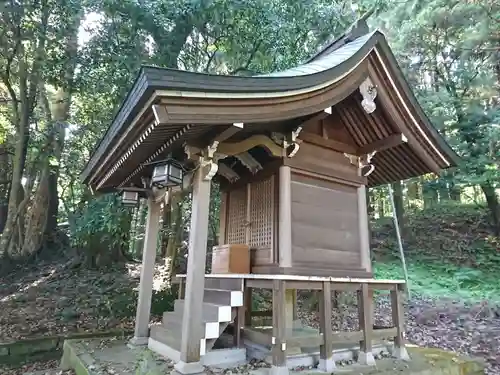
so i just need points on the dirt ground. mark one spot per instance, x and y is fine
(54, 298)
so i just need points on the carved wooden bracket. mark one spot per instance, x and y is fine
(369, 92)
(206, 159)
(209, 169)
(363, 162)
(289, 142)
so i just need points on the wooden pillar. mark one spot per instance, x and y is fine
(364, 230)
(365, 309)
(223, 218)
(290, 309)
(191, 336)
(285, 244)
(398, 317)
(248, 299)
(285, 217)
(240, 320)
(141, 332)
(326, 362)
(279, 366)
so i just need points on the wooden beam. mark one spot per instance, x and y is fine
(317, 117)
(347, 337)
(328, 143)
(230, 149)
(262, 314)
(160, 113)
(383, 144)
(229, 132)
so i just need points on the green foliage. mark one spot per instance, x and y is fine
(163, 300)
(450, 251)
(101, 230)
(434, 279)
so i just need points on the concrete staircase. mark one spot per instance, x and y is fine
(221, 298)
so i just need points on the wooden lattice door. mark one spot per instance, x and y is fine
(261, 214)
(250, 219)
(237, 216)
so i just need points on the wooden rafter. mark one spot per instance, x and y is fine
(383, 144)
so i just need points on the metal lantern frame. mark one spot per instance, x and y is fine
(130, 198)
(167, 173)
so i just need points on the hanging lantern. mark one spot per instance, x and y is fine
(167, 174)
(130, 198)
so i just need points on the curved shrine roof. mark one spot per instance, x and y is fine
(196, 105)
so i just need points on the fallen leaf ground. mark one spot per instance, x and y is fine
(52, 298)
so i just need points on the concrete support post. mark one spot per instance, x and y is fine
(141, 332)
(195, 278)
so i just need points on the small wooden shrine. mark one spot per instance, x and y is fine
(293, 152)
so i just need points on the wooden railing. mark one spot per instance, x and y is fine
(281, 339)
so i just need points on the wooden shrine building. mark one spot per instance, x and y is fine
(293, 152)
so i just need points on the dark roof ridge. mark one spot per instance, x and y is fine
(357, 29)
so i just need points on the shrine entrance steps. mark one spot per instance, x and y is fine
(221, 300)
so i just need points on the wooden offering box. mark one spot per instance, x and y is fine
(233, 258)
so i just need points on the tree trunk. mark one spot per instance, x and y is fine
(492, 202)
(42, 222)
(454, 191)
(15, 187)
(380, 205)
(429, 194)
(4, 184)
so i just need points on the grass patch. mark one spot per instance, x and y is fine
(433, 279)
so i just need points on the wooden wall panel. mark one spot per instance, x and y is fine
(325, 225)
(324, 161)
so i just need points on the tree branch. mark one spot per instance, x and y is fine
(245, 66)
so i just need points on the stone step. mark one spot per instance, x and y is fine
(211, 312)
(162, 334)
(231, 298)
(209, 330)
(225, 284)
(172, 339)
